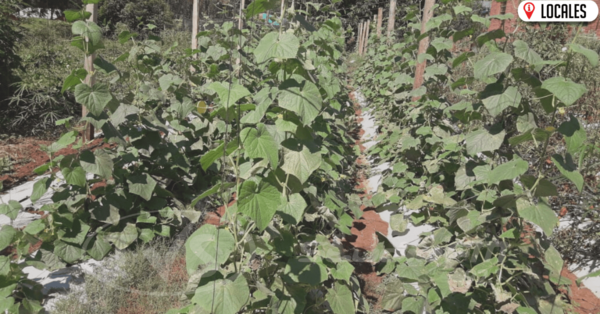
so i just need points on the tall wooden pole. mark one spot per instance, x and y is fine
(423, 44)
(240, 25)
(379, 21)
(392, 19)
(366, 41)
(88, 64)
(358, 37)
(195, 26)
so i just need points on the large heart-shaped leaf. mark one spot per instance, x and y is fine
(508, 171)
(564, 89)
(142, 185)
(259, 143)
(98, 163)
(483, 141)
(207, 245)
(497, 103)
(523, 51)
(123, 239)
(298, 160)
(340, 299)
(228, 96)
(568, 168)
(540, 214)
(259, 201)
(493, 63)
(275, 45)
(94, 98)
(292, 211)
(302, 97)
(223, 296)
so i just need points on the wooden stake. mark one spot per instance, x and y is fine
(194, 31)
(423, 44)
(240, 25)
(379, 21)
(358, 37)
(367, 31)
(88, 64)
(391, 19)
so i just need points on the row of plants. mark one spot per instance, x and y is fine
(469, 154)
(189, 132)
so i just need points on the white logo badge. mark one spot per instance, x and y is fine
(558, 11)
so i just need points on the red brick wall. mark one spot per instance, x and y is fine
(510, 25)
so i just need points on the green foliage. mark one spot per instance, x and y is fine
(10, 34)
(468, 150)
(136, 14)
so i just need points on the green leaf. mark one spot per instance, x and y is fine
(275, 45)
(40, 188)
(75, 78)
(224, 296)
(342, 271)
(98, 162)
(124, 36)
(259, 143)
(398, 223)
(99, 248)
(72, 15)
(303, 269)
(574, 135)
(591, 55)
(491, 35)
(483, 141)
(543, 188)
(523, 51)
(11, 209)
(259, 201)
(168, 80)
(94, 98)
(298, 160)
(104, 66)
(441, 43)
(568, 168)
(413, 305)
(229, 96)
(462, 58)
(67, 252)
(201, 247)
(210, 157)
(123, 239)
(260, 6)
(493, 63)
(392, 296)
(441, 235)
(35, 227)
(554, 261)
(302, 97)
(142, 185)
(340, 299)
(497, 103)
(74, 176)
(565, 90)
(540, 214)
(508, 171)
(486, 268)
(292, 211)
(7, 234)
(89, 36)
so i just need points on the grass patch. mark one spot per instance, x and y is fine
(148, 279)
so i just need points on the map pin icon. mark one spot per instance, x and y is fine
(529, 8)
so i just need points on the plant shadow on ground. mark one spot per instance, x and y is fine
(148, 279)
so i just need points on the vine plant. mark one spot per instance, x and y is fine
(453, 146)
(272, 133)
